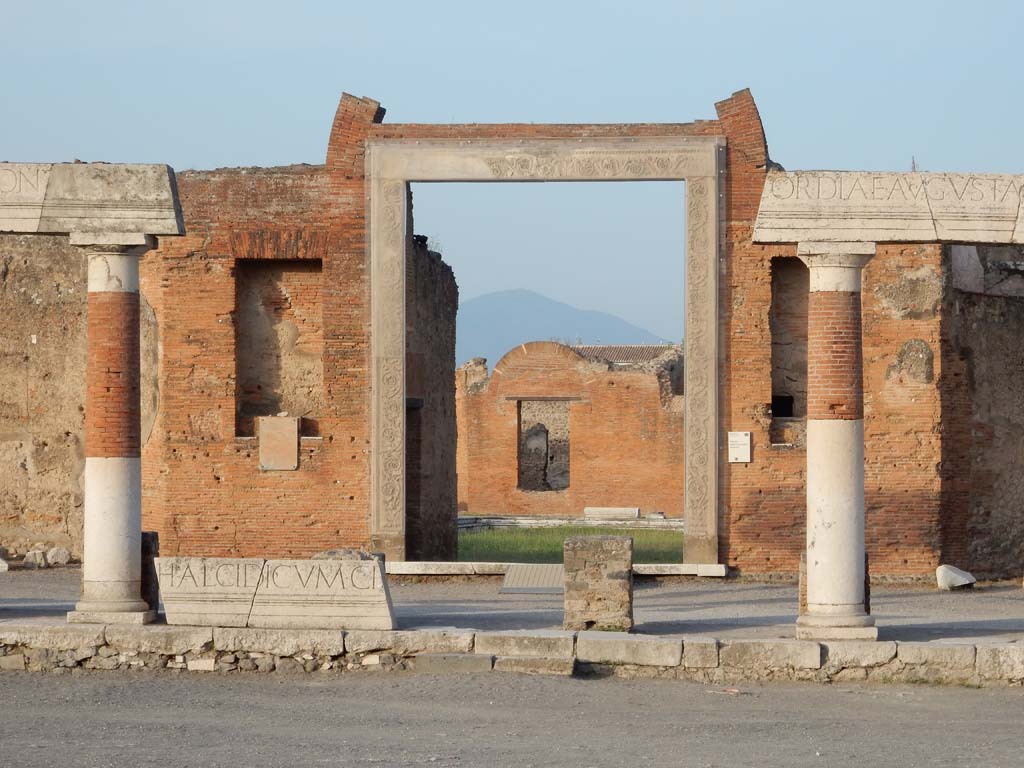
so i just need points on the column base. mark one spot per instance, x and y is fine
(838, 627)
(111, 617)
(391, 544)
(836, 633)
(702, 550)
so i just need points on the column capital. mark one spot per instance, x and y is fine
(835, 266)
(113, 242)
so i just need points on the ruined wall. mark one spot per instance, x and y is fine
(202, 487)
(202, 490)
(983, 420)
(763, 503)
(42, 390)
(266, 273)
(625, 438)
(543, 445)
(432, 300)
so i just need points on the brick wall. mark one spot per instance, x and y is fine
(432, 299)
(203, 490)
(983, 433)
(625, 438)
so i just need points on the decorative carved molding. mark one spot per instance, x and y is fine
(387, 270)
(393, 164)
(389, 446)
(600, 164)
(701, 355)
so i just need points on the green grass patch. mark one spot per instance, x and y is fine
(544, 545)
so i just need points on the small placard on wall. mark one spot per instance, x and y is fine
(739, 447)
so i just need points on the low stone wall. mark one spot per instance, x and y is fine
(66, 648)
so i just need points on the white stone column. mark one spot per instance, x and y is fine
(111, 562)
(835, 445)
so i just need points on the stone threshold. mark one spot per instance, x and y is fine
(486, 523)
(69, 647)
(428, 568)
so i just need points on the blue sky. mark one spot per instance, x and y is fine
(861, 85)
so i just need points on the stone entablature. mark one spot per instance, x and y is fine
(97, 198)
(839, 206)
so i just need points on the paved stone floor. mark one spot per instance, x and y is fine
(714, 607)
(494, 719)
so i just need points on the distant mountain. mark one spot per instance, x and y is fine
(490, 325)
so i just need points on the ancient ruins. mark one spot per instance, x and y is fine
(851, 377)
(583, 416)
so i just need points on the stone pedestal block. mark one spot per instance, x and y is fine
(599, 583)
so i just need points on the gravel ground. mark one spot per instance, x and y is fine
(408, 719)
(714, 607)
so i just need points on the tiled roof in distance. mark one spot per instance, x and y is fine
(623, 353)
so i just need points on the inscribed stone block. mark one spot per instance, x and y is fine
(325, 594)
(250, 592)
(208, 591)
(279, 442)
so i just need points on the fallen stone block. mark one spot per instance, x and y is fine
(539, 642)
(408, 642)
(4, 566)
(700, 653)
(288, 666)
(35, 558)
(158, 639)
(447, 663)
(1002, 661)
(844, 654)
(12, 662)
(620, 648)
(771, 654)
(344, 553)
(58, 556)
(938, 655)
(59, 637)
(201, 665)
(949, 578)
(611, 513)
(280, 642)
(535, 665)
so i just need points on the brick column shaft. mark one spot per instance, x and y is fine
(112, 558)
(835, 444)
(112, 420)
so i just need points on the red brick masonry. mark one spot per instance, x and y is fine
(112, 386)
(834, 359)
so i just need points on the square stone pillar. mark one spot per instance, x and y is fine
(599, 583)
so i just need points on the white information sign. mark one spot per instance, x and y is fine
(739, 447)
